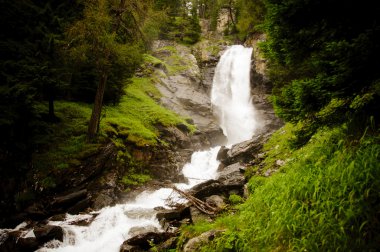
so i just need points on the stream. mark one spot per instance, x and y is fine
(232, 105)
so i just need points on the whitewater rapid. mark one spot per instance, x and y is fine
(230, 98)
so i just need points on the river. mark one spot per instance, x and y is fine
(232, 105)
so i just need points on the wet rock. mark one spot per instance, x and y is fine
(197, 216)
(206, 189)
(144, 241)
(173, 214)
(69, 199)
(58, 217)
(243, 152)
(170, 243)
(231, 180)
(36, 211)
(216, 201)
(194, 244)
(13, 242)
(134, 231)
(140, 213)
(102, 200)
(268, 173)
(222, 153)
(232, 174)
(80, 206)
(48, 232)
(129, 248)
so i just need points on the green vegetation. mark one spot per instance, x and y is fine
(323, 74)
(132, 122)
(323, 191)
(182, 24)
(235, 199)
(138, 113)
(135, 179)
(323, 199)
(61, 144)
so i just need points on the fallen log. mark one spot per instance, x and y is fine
(199, 204)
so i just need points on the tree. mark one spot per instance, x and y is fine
(324, 62)
(110, 36)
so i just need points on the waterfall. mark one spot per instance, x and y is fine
(231, 94)
(232, 105)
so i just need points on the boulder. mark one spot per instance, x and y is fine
(243, 152)
(48, 232)
(129, 248)
(231, 180)
(144, 241)
(173, 214)
(167, 245)
(232, 174)
(69, 199)
(216, 201)
(195, 244)
(197, 216)
(134, 231)
(11, 241)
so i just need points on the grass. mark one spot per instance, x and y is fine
(325, 198)
(133, 122)
(63, 143)
(136, 116)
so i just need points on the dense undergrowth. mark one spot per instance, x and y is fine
(325, 198)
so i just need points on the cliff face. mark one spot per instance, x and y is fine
(261, 87)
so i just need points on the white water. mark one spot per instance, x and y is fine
(231, 101)
(230, 94)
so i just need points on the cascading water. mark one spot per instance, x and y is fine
(232, 105)
(231, 94)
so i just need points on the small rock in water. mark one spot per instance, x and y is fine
(48, 232)
(134, 231)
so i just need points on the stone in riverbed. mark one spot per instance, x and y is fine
(48, 232)
(243, 152)
(144, 241)
(173, 214)
(13, 242)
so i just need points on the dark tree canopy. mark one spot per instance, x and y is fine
(323, 59)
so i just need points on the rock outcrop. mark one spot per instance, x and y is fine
(261, 87)
(183, 91)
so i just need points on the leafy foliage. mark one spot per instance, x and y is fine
(250, 15)
(322, 61)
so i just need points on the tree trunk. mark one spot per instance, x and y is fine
(97, 109)
(51, 108)
(230, 12)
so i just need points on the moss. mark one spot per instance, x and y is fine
(134, 179)
(137, 114)
(235, 199)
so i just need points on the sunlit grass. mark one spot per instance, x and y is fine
(138, 114)
(325, 198)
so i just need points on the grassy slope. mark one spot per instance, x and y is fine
(325, 198)
(131, 122)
